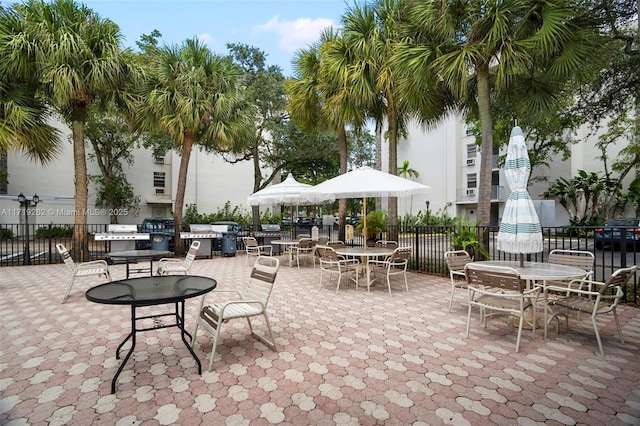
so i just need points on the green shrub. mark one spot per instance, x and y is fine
(64, 231)
(6, 233)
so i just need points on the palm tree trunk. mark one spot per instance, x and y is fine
(342, 203)
(257, 179)
(393, 165)
(484, 110)
(80, 246)
(187, 146)
(378, 156)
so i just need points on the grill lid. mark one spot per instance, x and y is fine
(200, 228)
(122, 229)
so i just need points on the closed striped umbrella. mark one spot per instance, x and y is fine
(520, 230)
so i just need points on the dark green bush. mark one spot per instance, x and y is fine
(64, 231)
(6, 233)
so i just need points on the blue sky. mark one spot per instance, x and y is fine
(277, 27)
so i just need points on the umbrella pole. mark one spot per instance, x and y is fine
(364, 225)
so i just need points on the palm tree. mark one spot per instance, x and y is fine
(317, 99)
(381, 86)
(478, 48)
(406, 171)
(75, 57)
(192, 96)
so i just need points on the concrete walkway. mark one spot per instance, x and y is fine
(352, 358)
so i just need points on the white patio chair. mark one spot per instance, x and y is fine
(253, 249)
(592, 297)
(169, 265)
(456, 261)
(85, 269)
(500, 291)
(248, 303)
(395, 264)
(306, 248)
(332, 264)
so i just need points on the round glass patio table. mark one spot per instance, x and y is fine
(129, 255)
(365, 254)
(151, 291)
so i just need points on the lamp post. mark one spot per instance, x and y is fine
(26, 203)
(427, 203)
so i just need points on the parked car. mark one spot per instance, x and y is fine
(610, 234)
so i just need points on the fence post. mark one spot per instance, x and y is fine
(417, 246)
(49, 238)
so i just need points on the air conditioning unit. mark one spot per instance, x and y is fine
(471, 192)
(159, 159)
(471, 161)
(159, 190)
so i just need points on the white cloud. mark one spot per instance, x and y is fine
(210, 41)
(296, 34)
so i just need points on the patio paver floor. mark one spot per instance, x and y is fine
(352, 358)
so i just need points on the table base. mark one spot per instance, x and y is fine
(179, 322)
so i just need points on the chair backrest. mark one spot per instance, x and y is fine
(457, 260)
(336, 244)
(579, 258)
(326, 254)
(619, 278)
(495, 277)
(323, 240)
(387, 244)
(191, 254)
(301, 236)
(250, 241)
(305, 243)
(263, 276)
(400, 255)
(66, 257)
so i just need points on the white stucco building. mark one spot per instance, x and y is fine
(446, 158)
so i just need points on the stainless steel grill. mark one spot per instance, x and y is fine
(268, 233)
(121, 237)
(205, 234)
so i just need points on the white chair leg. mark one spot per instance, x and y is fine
(68, 291)
(215, 344)
(615, 316)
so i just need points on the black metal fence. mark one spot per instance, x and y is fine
(35, 245)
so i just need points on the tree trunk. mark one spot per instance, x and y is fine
(80, 246)
(342, 203)
(378, 156)
(187, 146)
(257, 180)
(392, 116)
(484, 110)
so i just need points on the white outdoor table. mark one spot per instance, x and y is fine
(365, 253)
(287, 246)
(536, 272)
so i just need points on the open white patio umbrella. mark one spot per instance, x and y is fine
(290, 192)
(367, 182)
(520, 230)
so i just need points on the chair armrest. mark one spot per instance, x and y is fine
(92, 264)
(170, 260)
(571, 291)
(378, 262)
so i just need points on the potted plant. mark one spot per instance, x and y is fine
(464, 236)
(376, 223)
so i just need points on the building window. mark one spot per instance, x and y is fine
(472, 180)
(472, 150)
(469, 132)
(158, 179)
